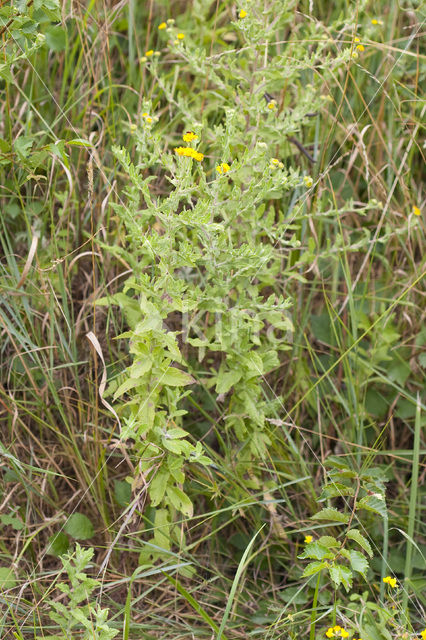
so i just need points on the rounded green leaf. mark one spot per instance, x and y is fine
(79, 527)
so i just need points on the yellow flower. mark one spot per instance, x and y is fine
(354, 55)
(272, 105)
(329, 633)
(423, 634)
(344, 633)
(392, 582)
(357, 39)
(361, 47)
(375, 21)
(336, 629)
(308, 539)
(189, 136)
(308, 183)
(275, 161)
(242, 14)
(223, 167)
(189, 152)
(180, 36)
(148, 119)
(149, 53)
(163, 25)
(417, 212)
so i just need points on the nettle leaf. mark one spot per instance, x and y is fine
(313, 568)
(358, 562)
(316, 551)
(374, 504)
(341, 575)
(355, 535)
(79, 527)
(330, 513)
(329, 541)
(336, 489)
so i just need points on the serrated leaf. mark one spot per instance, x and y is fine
(313, 568)
(329, 541)
(341, 575)
(316, 551)
(79, 527)
(336, 489)
(329, 513)
(374, 504)
(358, 562)
(355, 535)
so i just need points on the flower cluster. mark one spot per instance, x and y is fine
(147, 117)
(189, 136)
(308, 181)
(392, 582)
(276, 163)
(223, 167)
(189, 152)
(337, 632)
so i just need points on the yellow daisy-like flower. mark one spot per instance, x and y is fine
(336, 629)
(308, 539)
(180, 36)
(392, 582)
(189, 152)
(189, 136)
(355, 55)
(356, 39)
(376, 22)
(417, 212)
(329, 633)
(423, 634)
(272, 105)
(223, 168)
(163, 25)
(242, 14)
(149, 53)
(360, 47)
(308, 183)
(344, 633)
(275, 161)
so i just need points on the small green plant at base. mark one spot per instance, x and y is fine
(79, 614)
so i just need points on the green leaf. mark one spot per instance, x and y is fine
(180, 500)
(173, 377)
(56, 38)
(58, 544)
(13, 521)
(80, 142)
(79, 527)
(329, 513)
(341, 575)
(374, 504)
(316, 551)
(355, 535)
(336, 489)
(329, 541)
(358, 562)
(122, 492)
(227, 380)
(157, 487)
(313, 568)
(7, 579)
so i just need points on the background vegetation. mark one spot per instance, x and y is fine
(212, 345)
